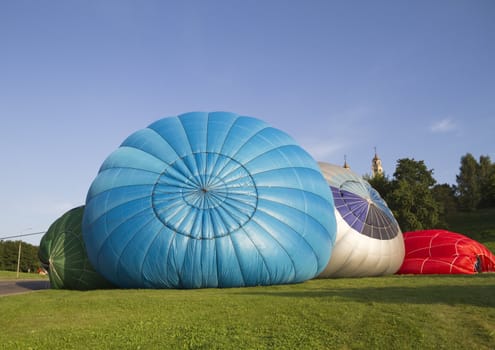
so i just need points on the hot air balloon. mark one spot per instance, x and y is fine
(208, 200)
(369, 241)
(63, 254)
(444, 252)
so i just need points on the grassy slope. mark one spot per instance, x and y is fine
(479, 225)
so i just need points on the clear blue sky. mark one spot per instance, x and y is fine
(416, 79)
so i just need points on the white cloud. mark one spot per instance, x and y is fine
(444, 125)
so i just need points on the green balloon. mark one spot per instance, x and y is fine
(63, 253)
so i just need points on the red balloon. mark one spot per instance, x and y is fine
(444, 252)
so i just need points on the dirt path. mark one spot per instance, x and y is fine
(11, 287)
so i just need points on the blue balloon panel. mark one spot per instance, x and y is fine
(209, 200)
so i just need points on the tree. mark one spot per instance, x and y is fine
(445, 196)
(411, 199)
(486, 177)
(380, 183)
(414, 172)
(490, 188)
(9, 253)
(468, 184)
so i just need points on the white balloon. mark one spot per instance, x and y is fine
(369, 241)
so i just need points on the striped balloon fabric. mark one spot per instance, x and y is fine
(440, 251)
(63, 253)
(209, 200)
(369, 241)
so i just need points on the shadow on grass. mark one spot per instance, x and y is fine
(476, 295)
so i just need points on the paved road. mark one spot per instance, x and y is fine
(22, 286)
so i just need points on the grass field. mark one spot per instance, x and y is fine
(10, 275)
(393, 312)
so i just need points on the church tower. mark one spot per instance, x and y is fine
(376, 166)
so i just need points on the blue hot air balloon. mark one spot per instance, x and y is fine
(208, 200)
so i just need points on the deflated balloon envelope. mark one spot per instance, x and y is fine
(369, 241)
(63, 253)
(209, 200)
(439, 251)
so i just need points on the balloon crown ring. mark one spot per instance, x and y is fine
(227, 196)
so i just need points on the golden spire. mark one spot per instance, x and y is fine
(346, 166)
(376, 156)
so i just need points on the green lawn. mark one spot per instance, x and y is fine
(395, 312)
(12, 275)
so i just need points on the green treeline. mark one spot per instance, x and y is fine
(419, 202)
(9, 254)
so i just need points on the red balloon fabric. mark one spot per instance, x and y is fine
(444, 252)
